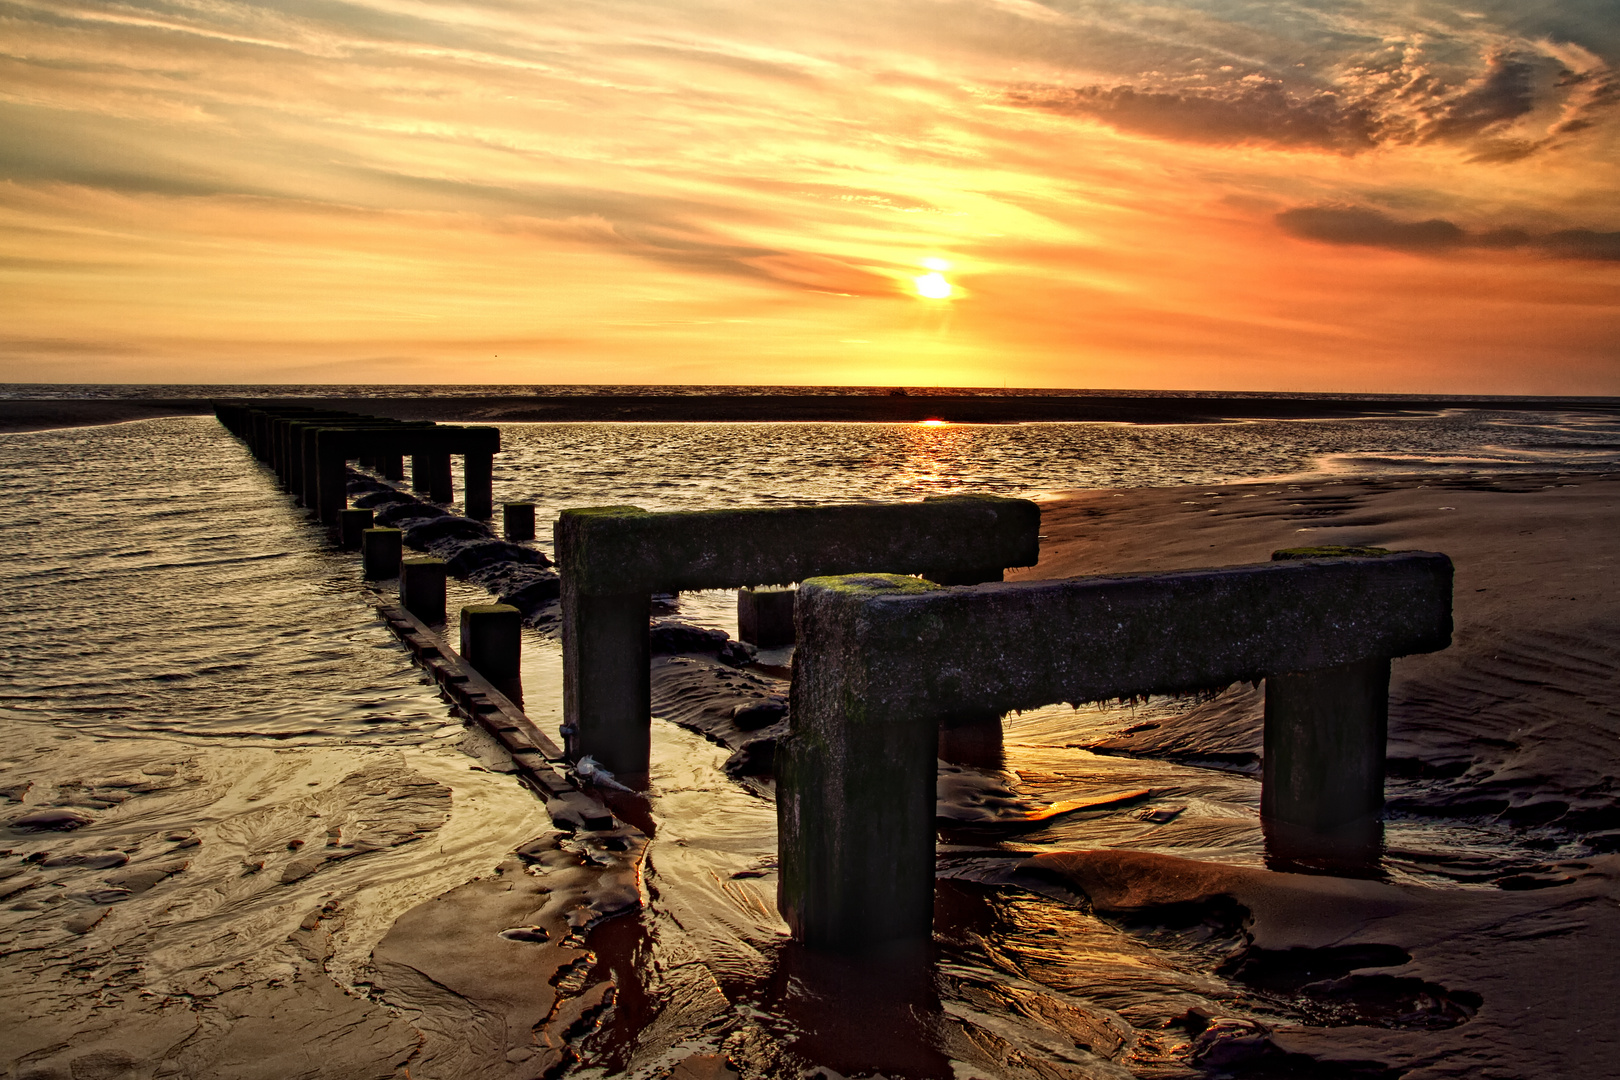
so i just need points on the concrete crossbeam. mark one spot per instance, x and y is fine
(612, 558)
(883, 661)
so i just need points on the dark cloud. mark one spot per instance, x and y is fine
(1265, 113)
(1374, 228)
(1506, 92)
(1501, 110)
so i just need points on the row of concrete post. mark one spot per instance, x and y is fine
(308, 448)
(884, 660)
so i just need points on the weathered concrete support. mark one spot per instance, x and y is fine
(517, 521)
(619, 555)
(351, 523)
(421, 472)
(441, 488)
(421, 587)
(883, 661)
(380, 551)
(607, 679)
(765, 616)
(1324, 744)
(491, 641)
(391, 466)
(328, 447)
(478, 484)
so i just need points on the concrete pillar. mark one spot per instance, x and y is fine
(420, 468)
(607, 680)
(306, 488)
(490, 642)
(391, 466)
(421, 587)
(1324, 745)
(353, 521)
(765, 616)
(440, 487)
(855, 794)
(518, 521)
(478, 484)
(331, 486)
(380, 550)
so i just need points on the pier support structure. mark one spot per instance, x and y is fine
(422, 587)
(884, 661)
(517, 521)
(491, 641)
(380, 551)
(765, 616)
(612, 559)
(308, 447)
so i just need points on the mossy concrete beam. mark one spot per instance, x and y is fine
(620, 549)
(884, 660)
(611, 558)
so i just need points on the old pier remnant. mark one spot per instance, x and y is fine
(517, 521)
(613, 558)
(422, 587)
(351, 523)
(491, 641)
(380, 553)
(883, 661)
(308, 448)
(765, 616)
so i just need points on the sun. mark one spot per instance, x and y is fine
(933, 286)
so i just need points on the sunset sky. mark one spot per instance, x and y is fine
(1404, 197)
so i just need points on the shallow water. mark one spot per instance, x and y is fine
(702, 466)
(159, 584)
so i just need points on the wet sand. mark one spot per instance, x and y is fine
(293, 911)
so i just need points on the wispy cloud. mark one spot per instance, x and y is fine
(637, 189)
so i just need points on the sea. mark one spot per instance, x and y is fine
(158, 584)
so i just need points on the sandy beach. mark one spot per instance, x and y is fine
(187, 909)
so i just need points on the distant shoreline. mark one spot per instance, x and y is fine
(44, 413)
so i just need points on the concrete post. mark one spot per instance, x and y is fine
(391, 466)
(517, 520)
(765, 616)
(478, 484)
(490, 642)
(440, 487)
(1324, 745)
(380, 551)
(421, 467)
(353, 521)
(854, 792)
(421, 587)
(607, 678)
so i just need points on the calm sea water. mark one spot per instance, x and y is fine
(157, 579)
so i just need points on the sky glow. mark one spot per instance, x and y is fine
(1284, 196)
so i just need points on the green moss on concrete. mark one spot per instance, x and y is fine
(1328, 551)
(875, 585)
(602, 511)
